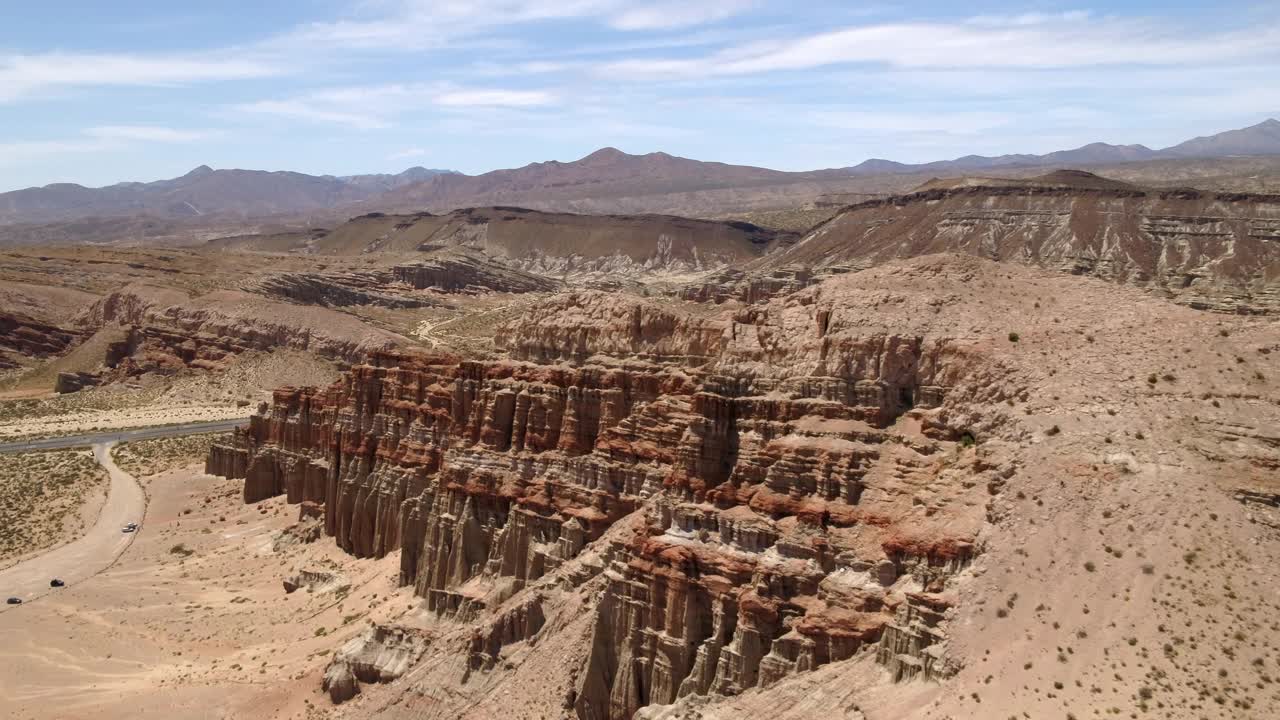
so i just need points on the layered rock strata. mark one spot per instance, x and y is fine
(1213, 251)
(780, 516)
(23, 338)
(148, 329)
(463, 272)
(341, 290)
(381, 654)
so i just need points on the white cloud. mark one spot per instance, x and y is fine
(103, 138)
(417, 24)
(677, 13)
(495, 98)
(414, 152)
(16, 153)
(313, 112)
(376, 107)
(25, 75)
(1034, 18)
(420, 24)
(147, 133)
(925, 45)
(963, 123)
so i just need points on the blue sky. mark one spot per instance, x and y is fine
(96, 92)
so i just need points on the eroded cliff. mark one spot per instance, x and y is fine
(647, 506)
(1216, 251)
(779, 517)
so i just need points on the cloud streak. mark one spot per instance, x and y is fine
(104, 138)
(376, 107)
(421, 24)
(148, 133)
(677, 14)
(22, 76)
(965, 45)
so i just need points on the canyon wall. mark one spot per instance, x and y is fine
(1214, 251)
(163, 330)
(763, 491)
(23, 338)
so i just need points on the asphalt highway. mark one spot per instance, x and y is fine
(121, 435)
(98, 548)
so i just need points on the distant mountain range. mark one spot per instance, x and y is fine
(203, 191)
(606, 180)
(1260, 139)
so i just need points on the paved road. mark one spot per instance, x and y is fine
(122, 435)
(90, 554)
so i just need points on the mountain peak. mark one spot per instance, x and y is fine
(199, 172)
(605, 154)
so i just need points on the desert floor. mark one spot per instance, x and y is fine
(193, 621)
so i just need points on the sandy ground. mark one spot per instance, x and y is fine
(88, 420)
(55, 517)
(94, 550)
(192, 621)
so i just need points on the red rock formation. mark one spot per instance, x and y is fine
(176, 329)
(774, 514)
(23, 338)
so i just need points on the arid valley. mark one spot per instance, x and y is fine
(640, 435)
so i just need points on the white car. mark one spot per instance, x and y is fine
(129, 528)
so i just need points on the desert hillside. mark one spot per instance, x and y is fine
(1000, 446)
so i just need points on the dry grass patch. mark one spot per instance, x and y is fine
(149, 457)
(45, 499)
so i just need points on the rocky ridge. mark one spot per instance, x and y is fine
(648, 511)
(761, 504)
(1213, 251)
(23, 338)
(160, 330)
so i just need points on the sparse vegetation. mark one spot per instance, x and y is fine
(43, 497)
(150, 457)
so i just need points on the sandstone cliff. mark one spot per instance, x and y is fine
(23, 338)
(1217, 251)
(774, 486)
(645, 505)
(165, 330)
(543, 243)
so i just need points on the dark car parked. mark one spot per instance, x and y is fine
(56, 583)
(14, 601)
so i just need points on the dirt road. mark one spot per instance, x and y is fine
(88, 555)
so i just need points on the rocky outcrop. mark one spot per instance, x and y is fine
(912, 645)
(164, 331)
(381, 654)
(460, 272)
(1212, 251)
(779, 515)
(574, 327)
(550, 244)
(69, 382)
(23, 338)
(519, 623)
(342, 290)
(230, 321)
(316, 581)
(752, 287)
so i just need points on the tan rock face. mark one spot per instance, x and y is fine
(382, 654)
(23, 338)
(771, 511)
(649, 504)
(1215, 251)
(164, 331)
